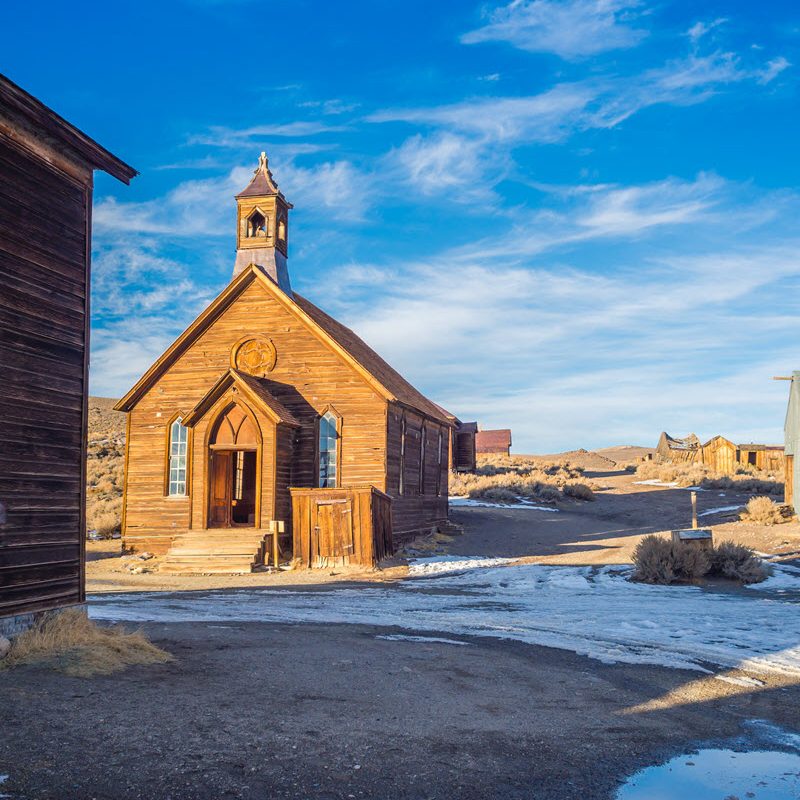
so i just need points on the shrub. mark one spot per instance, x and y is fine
(659, 560)
(580, 491)
(764, 511)
(653, 560)
(105, 523)
(746, 479)
(739, 562)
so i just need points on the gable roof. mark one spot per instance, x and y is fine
(14, 99)
(493, 439)
(389, 377)
(251, 388)
(385, 380)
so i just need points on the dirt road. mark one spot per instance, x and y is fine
(261, 710)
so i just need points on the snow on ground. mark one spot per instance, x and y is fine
(784, 578)
(405, 637)
(654, 482)
(720, 510)
(593, 611)
(438, 565)
(469, 502)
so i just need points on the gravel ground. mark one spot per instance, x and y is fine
(278, 711)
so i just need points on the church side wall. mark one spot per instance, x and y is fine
(422, 504)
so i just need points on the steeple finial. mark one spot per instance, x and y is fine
(263, 163)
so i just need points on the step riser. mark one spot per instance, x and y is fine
(215, 554)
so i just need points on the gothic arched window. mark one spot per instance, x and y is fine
(328, 450)
(178, 445)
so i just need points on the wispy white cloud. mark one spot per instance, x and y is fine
(569, 28)
(219, 136)
(700, 29)
(773, 68)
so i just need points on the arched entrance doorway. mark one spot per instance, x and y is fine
(234, 468)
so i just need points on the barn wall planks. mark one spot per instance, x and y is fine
(45, 236)
(42, 393)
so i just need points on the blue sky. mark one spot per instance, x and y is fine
(578, 219)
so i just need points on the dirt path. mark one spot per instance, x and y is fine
(607, 530)
(264, 710)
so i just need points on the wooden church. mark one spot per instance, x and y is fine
(269, 430)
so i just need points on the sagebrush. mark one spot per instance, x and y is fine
(105, 458)
(746, 478)
(763, 511)
(660, 560)
(507, 479)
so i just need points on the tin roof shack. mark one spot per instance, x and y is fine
(494, 442)
(686, 450)
(761, 456)
(720, 454)
(46, 176)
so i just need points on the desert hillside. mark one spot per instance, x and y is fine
(104, 466)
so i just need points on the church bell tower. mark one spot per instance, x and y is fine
(262, 229)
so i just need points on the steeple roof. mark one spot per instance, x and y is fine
(262, 184)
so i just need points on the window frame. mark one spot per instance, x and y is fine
(178, 417)
(338, 425)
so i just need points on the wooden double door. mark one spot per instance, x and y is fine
(233, 482)
(332, 531)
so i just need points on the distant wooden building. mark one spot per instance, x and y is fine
(684, 450)
(496, 442)
(463, 452)
(268, 415)
(46, 168)
(762, 456)
(719, 454)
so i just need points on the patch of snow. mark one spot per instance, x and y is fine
(403, 637)
(784, 578)
(739, 680)
(653, 482)
(597, 612)
(438, 565)
(720, 510)
(468, 502)
(714, 774)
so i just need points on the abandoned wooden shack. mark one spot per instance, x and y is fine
(496, 442)
(270, 428)
(768, 457)
(463, 450)
(46, 177)
(684, 450)
(719, 454)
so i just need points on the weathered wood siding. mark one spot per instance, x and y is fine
(308, 378)
(415, 511)
(44, 235)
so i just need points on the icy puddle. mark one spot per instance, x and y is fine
(595, 612)
(718, 775)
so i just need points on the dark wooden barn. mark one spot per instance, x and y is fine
(46, 176)
(270, 430)
(496, 442)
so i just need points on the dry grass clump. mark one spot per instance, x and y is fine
(763, 511)
(68, 641)
(746, 479)
(662, 561)
(507, 479)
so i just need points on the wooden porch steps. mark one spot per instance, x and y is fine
(219, 552)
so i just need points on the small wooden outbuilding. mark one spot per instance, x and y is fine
(462, 448)
(762, 456)
(720, 454)
(496, 442)
(46, 176)
(268, 415)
